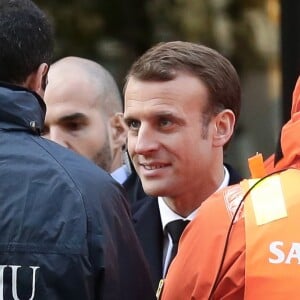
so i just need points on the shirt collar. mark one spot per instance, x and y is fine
(121, 174)
(167, 214)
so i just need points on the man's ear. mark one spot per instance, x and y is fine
(118, 130)
(224, 126)
(36, 81)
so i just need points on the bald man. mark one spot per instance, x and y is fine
(83, 106)
(83, 114)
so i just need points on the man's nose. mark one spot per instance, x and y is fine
(146, 141)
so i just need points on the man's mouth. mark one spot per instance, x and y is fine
(153, 167)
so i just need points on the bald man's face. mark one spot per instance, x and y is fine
(74, 118)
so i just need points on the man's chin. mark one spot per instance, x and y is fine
(155, 191)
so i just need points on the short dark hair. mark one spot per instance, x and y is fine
(164, 60)
(26, 40)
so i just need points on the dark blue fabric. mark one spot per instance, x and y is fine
(134, 188)
(63, 219)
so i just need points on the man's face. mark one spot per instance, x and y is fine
(74, 119)
(169, 144)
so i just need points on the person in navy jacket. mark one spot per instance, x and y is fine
(65, 226)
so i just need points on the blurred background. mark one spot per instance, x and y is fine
(260, 37)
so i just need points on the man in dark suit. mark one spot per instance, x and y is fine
(182, 101)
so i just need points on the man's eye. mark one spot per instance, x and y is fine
(74, 126)
(164, 122)
(133, 124)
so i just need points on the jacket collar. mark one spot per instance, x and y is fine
(21, 109)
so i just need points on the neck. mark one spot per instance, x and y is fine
(185, 203)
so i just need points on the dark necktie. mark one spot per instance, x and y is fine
(175, 229)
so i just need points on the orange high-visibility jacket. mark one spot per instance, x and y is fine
(261, 259)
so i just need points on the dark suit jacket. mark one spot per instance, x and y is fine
(148, 226)
(133, 187)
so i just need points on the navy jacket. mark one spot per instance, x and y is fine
(65, 229)
(148, 226)
(133, 187)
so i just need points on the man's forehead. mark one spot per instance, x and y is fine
(152, 95)
(184, 85)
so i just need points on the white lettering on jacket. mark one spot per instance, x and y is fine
(14, 279)
(281, 256)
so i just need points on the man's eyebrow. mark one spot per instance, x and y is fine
(165, 114)
(170, 115)
(73, 117)
(128, 118)
(158, 115)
